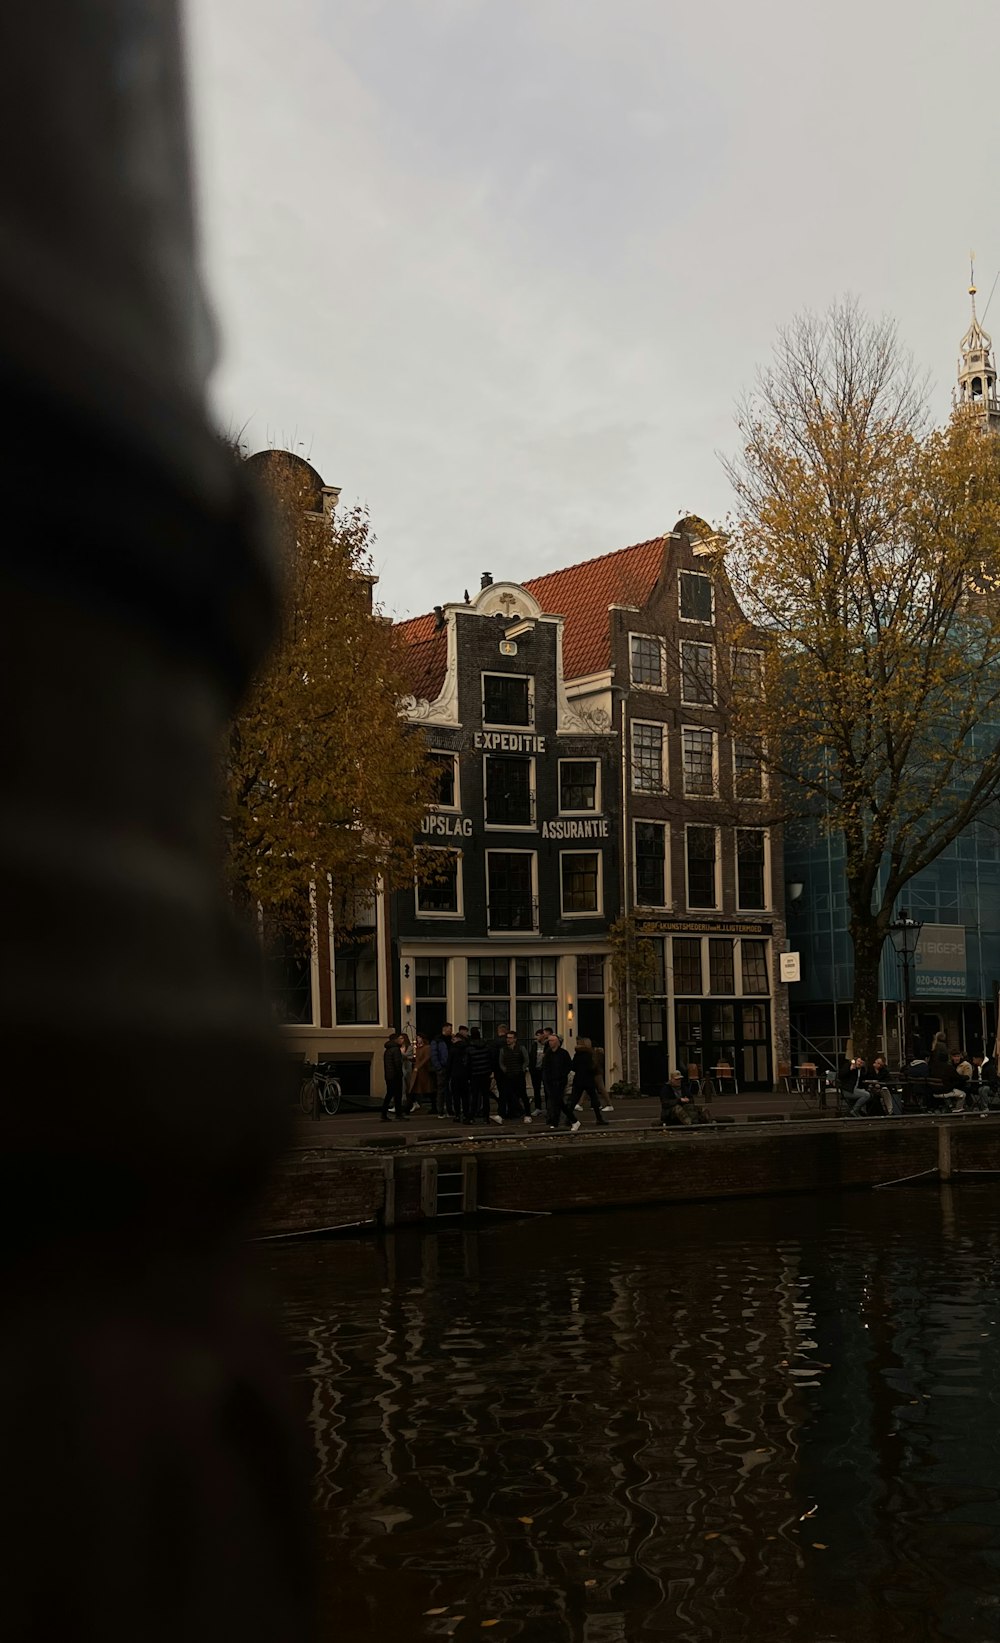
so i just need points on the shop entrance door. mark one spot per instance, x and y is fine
(711, 1033)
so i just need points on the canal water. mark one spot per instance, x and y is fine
(772, 1420)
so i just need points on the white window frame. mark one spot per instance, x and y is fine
(695, 620)
(596, 912)
(488, 998)
(743, 798)
(767, 869)
(768, 944)
(459, 886)
(717, 905)
(378, 894)
(747, 650)
(494, 673)
(653, 638)
(448, 753)
(598, 794)
(519, 850)
(657, 724)
(652, 821)
(514, 827)
(701, 730)
(703, 644)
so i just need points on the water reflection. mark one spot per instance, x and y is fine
(766, 1421)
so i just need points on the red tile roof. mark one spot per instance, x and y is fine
(581, 593)
(424, 655)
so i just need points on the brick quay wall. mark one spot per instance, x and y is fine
(379, 1188)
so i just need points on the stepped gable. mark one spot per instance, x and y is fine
(582, 594)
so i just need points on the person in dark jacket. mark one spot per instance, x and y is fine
(556, 1068)
(392, 1062)
(940, 1062)
(676, 1106)
(584, 1079)
(511, 1086)
(460, 1078)
(853, 1090)
(480, 1074)
(440, 1059)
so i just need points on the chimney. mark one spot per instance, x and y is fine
(438, 618)
(486, 580)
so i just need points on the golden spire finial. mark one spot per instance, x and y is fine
(972, 281)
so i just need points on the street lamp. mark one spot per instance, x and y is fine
(904, 933)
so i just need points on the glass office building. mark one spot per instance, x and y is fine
(956, 975)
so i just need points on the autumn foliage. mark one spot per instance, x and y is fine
(326, 786)
(866, 552)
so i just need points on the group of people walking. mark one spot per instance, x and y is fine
(457, 1075)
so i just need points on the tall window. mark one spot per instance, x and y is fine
(535, 985)
(506, 699)
(355, 969)
(489, 994)
(443, 768)
(647, 660)
(748, 673)
(440, 893)
(578, 784)
(721, 975)
(695, 599)
(510, 891)
(748, 769)
(697, 673)
(430, 990)
(650, 864)
(751, 888)
(687, 965)
(288, 968)
(702, 886)
(581, 881)
(698, 752)
(648, 774)
(510, 798)
(753, 955)
(590, 974)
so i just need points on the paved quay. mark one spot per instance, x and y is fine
(354, 1172)
(356, 1129)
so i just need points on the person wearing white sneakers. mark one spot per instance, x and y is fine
(556, 1068)
(583, 1080)
(602, 1088)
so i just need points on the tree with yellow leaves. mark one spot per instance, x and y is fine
(326, 785)
(865, 549)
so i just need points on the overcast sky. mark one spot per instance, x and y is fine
(501, 267)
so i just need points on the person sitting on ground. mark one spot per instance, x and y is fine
(677, 1107)
(584, 1082)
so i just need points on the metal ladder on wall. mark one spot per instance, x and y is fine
(448, 1187)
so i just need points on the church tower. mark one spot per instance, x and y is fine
(977, 376)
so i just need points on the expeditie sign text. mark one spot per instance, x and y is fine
(508, 741)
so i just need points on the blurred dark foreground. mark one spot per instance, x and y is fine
(150, 1466)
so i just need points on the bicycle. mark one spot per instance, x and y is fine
(319, 1091)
